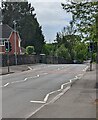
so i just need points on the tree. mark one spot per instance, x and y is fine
(81, 51)
(63, 52)
(29, 29)
(68, 38)
(49, 49)
(30, 50)
(83, 18)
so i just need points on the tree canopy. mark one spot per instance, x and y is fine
(29, 29)
(83, 18)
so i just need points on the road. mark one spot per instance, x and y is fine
(19, 89)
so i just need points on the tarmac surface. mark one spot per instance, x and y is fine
(78, 102)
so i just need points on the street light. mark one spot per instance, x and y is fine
(14, 22)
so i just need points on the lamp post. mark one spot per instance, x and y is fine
(15, 42)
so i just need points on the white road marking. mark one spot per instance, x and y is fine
(6, 84)
(45, 74)
(37, 101)
(79, 76)
(59, 95)
(61, 88)
(30, 68)
(85, 68)
(53, 100)
(20, 81)
(56, 97)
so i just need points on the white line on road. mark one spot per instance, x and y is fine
(30, 68)
(61, 88)
(85, 68)
(20, 81)
(53, 100)
(79, 76)
(6, 84)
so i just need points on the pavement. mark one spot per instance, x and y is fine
(14, 69)
(78, 102)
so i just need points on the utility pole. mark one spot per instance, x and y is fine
(15, 42)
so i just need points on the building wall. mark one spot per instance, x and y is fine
(12, 41)
(2, 49)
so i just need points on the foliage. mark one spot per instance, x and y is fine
(83, 18)
(30, 50)
(68, 39)
(27, 24)
(47, 49)
(63, 52)
(81, 51)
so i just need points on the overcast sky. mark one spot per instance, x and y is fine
(51, 17)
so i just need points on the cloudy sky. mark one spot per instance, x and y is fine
(51, 17)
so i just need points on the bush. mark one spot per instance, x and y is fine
(30, 50)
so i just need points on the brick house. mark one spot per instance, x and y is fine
(8, 34)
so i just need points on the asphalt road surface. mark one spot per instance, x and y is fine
(19, 89)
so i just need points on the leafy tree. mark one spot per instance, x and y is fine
(68, 38)
(49, 49)
(81, 51)
(63, 52)
(30, 50)
(83, 17)
(27, 24)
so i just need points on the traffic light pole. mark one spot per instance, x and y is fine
(8, 58)
(8, 48)
(8, 62)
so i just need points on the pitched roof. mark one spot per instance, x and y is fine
(5, 30)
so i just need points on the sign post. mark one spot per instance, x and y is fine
(8, 48)
(7, 51)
